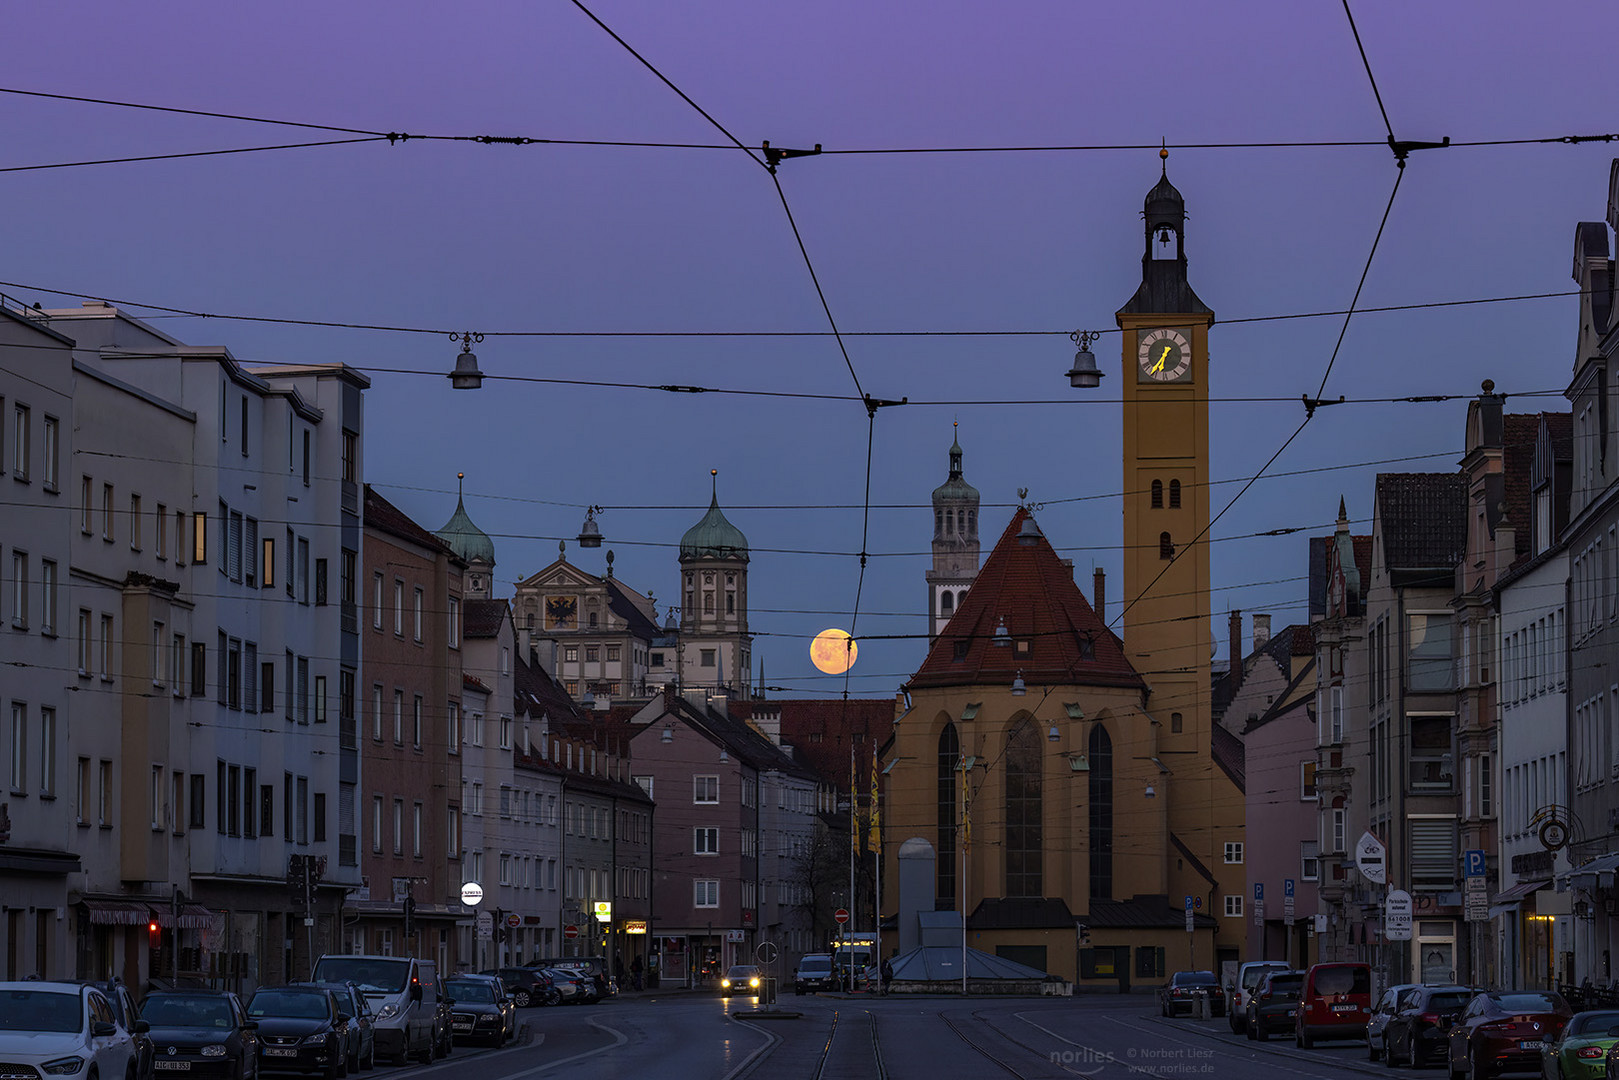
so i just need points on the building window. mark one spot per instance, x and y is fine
(416, 721)
(1174, 494)
(416, 830)
(1166, 546)
(104, 794)
(453, 623)
(1309, 860)
(399, 826)
(1177, 723)
(705, 841)
(320, 582)
(1157, 494)
(707, 659)
(107, 529)
(351, 453)
(1025, 849)
(19, 589)
(19, 748)
(705, 894)
(452, 832)
(199, 537)
(1337, 831)
(705, 789)
(1428, 657)
(160, 535)
(399, 607)
(1233, 906)
(1307, 780)
(1233, 852)
(376, 824)
(86, 511)
(376, 600)
(454, 726)
(303, 570)
(50, 465)
(416, 616)
(47, 753)
(505, 732)
(1430, 759)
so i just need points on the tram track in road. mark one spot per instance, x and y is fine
(847, 1060)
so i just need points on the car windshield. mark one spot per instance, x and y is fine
(369, 973)
(1286, 984)
(1349, 979)
(741, 972)
(471, 991)
(815, 963)
(165, 1010)
(288, 1003)
(1194, 978)
(1452, 1001)
(1592, 1023)
(1528, 1003)
(40, 1010)
(1251, 977)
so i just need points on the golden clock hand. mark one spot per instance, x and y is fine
(1159, 366)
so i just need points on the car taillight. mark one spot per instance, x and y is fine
(1590, 1052)
(1501, 1028)
(1429, 1018)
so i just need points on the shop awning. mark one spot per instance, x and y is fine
(117, 913)
(1508, 899)
(1592, 872)
(192, 917)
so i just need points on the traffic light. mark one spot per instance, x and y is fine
(154, 935)
(1084, 934)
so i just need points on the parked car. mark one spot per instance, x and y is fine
(1335, 1003)
(1386, 1007)
(508, 1007)
(1583, 1050)
(63, 1029)
(1273, 1003)
(1238, 992)
(567, 984)
(202, 1033)
(361, 1048)
(403, 994)
(1180, 994)
(477, 1013)
(1505, 1032)
(741, 979)
(814, 972)
(300, 1030)
(1415, 1034)
(588, 991)
(525, 986)
(595, 966)
(126, 1014)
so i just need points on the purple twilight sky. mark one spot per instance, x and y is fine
(552, 238)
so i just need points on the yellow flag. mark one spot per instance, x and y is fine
(966, 813)
(875, 841)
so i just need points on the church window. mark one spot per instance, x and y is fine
(1176, 722)
(1024, 811)
(688, 577)
(949, 780)
(708, 603)
(708, 579)
(730, 603)
(707, 657)
(949, 521)
(972, 521)
(947, 602)
(1157, 494)
(690, 603)
(1166, 546)
(938, 522)
(1174, 494)
(1100, 812)
(730, 580)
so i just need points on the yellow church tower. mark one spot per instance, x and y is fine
(1165, 616)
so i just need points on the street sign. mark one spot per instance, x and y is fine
(604, 910)
(1397, 916)
(1287, 902)
(1189, 916)
(1287, 888)
(570, 932)
(486, 926)
(841, 916)
(1259, 892)
(1473, 863)
(736, 937)
(766, 952)
(1259, 913)
(1475, 899)
(1369, 858)
(472, 894)
(514, 920)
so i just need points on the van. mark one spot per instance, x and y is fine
(1334, 1003)
(1239, 992)
(403, 992)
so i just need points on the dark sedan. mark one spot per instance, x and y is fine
(526, 986)
(300, 1030)
(360, 1048)
(476, 1014)
(1415, 1034)
(1181, 993)
(1505, 1032)
(201, 1033)
(1273, 1004)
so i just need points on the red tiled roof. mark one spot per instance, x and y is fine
(1363, 562)
(1034, 592)
(384, 515)
(1230, 754)
(837, 723)
(482, 618)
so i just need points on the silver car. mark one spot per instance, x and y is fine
(64, 1029)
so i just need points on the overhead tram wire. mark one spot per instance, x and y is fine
(192, 154)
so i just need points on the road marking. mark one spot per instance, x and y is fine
(619, 1039)
(747, 1063)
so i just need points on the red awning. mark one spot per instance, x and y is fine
(192, 917)
(117, 913)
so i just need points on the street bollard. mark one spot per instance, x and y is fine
(1201, 1000)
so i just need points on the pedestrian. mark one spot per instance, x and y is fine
(635, 972)
(888, 974)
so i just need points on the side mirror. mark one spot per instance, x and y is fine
(415, 991)
(250, 1025)
(102, 1029)
(449, 1003)
(142, 1027)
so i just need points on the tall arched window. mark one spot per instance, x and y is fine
(1157, 494)
(1024, 804)
(1174, 494)
(949, 522)
(938, 522)
(1166, 546)
(944, 865)
(947, 602)
(1100, 753)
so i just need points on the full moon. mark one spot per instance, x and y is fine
(833, 651)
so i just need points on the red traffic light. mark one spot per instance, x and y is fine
(154, 934)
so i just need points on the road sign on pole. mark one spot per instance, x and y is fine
(1473, 863)
(1287, 902)
(570, 932)
(841, 916)
(1397, 916)
(1369, 858)
(1189, 923)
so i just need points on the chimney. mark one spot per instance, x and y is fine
(1099, 590)
(1261, 631)
(1234, 636)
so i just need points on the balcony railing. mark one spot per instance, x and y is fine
(1432, 774)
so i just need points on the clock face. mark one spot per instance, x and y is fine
(1163, 355)
(561, 612)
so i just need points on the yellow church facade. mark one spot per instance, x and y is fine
(1085, 813)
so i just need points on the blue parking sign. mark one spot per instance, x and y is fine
(1473, 863)
(1259, 890)
(1287, 887)
(1188, 903)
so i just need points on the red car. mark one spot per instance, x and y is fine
(1502, 1031)
(1335, 1003)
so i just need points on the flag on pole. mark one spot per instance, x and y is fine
(875, 841)
(966, 811)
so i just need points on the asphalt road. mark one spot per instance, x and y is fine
(697, 1037)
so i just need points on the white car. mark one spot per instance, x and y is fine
(64, 1029)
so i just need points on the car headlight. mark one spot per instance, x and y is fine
(317, 1038)
(725, 983)
(214, 1050)
(753, 982)
(387, 1010)
(67, 1066)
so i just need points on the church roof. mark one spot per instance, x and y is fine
(1033, 591)
(384, 515)
(465, 539)
(714, 537)
(955, 489)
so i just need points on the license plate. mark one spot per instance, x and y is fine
(162, 1063)
(1291, 1013)
(463, 1027)
(1531, 1044)
(1345, 1008)
(276, 1051)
